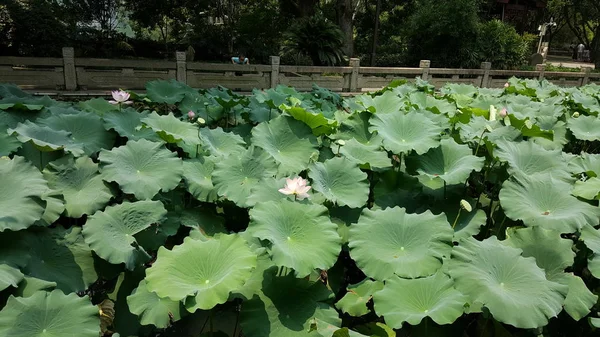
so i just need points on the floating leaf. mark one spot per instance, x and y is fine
(142, 168)
(46, 138)
(9, 276)
(127, 123)
(411, 301)
(528, 158)
(47, 314)
(301, 235)
(290, 142)
(403, 133)
(354, 303)
(172, 129)
(220, 143)
(110, 233)
(197, 174)
(170, 92)
(152, 309)
(585, 127)
(287, 306)
(340, 181)
(512, 287)
(451, 162)
(365, 154)
(21, 188)
(319, 124)
(391, 241)
(542, 200)
(79, 181)
(235, 177)
(203, 273)
(85, 129)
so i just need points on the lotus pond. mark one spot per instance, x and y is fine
(404, 212)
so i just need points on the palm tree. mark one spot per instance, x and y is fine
(316, 37)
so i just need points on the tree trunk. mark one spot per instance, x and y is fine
(375, 33)
(344, 13)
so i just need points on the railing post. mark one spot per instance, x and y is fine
(355, 64)
(181, 67)
(68, 54)
(486, 66)
(541, 68)
(425, 65)
(586, 75)
(275, 60)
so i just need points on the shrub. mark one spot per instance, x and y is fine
(500, 44)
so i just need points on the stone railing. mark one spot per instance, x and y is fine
(70, 74)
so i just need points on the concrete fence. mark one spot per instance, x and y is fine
(71, 74)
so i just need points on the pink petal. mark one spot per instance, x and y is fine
(285, 191)
(302, 196)
(113, 102)
(128, 102)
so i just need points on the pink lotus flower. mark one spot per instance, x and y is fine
(191, 114)
(506, 85)
(120, 97)
(503, 112)
(297, 187)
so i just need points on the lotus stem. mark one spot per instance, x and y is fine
(456, 219)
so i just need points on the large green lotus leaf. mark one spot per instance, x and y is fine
(9, 276)
(8, 143)
(355, 127)
(399, 189)
(552, 253)
(203, 106)
(127, 123)
(203, 273)
(354, 302)
(450, 161)
(172, 129)
(319, 124)
(236, 176)
(585, 127)
(287, 307)
(391, 241)
(55, 206)
(528, 158)
(542, 200)
(98, 106)
(423, 101)
(152, 309)
(403, 133)
(585, 163)
(528, 129)
(365, 154)
(31, 285)
(387, 103)
(589, 189)
(79, 181)
(253, 285)
(220, 143)
(46, 138)
(197, 174)
(560, 133)
(86, 129)
(22, 187)
(411, 301)
(476, 128)
(60, 256)
(142, 168)
(512, 287)
(170, 92)
(301, 235)
(268, 190)
(110, 233)
(341, 181)
(579, 299)
(588, 102)
(49, 314)
(203, 220)
(289, 141)
(591, 238)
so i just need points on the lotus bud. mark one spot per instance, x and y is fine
(191, 114)
(575, 114)
(506, 85)
(465, 205)
(503, 113)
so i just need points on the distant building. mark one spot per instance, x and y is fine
(524, 15)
